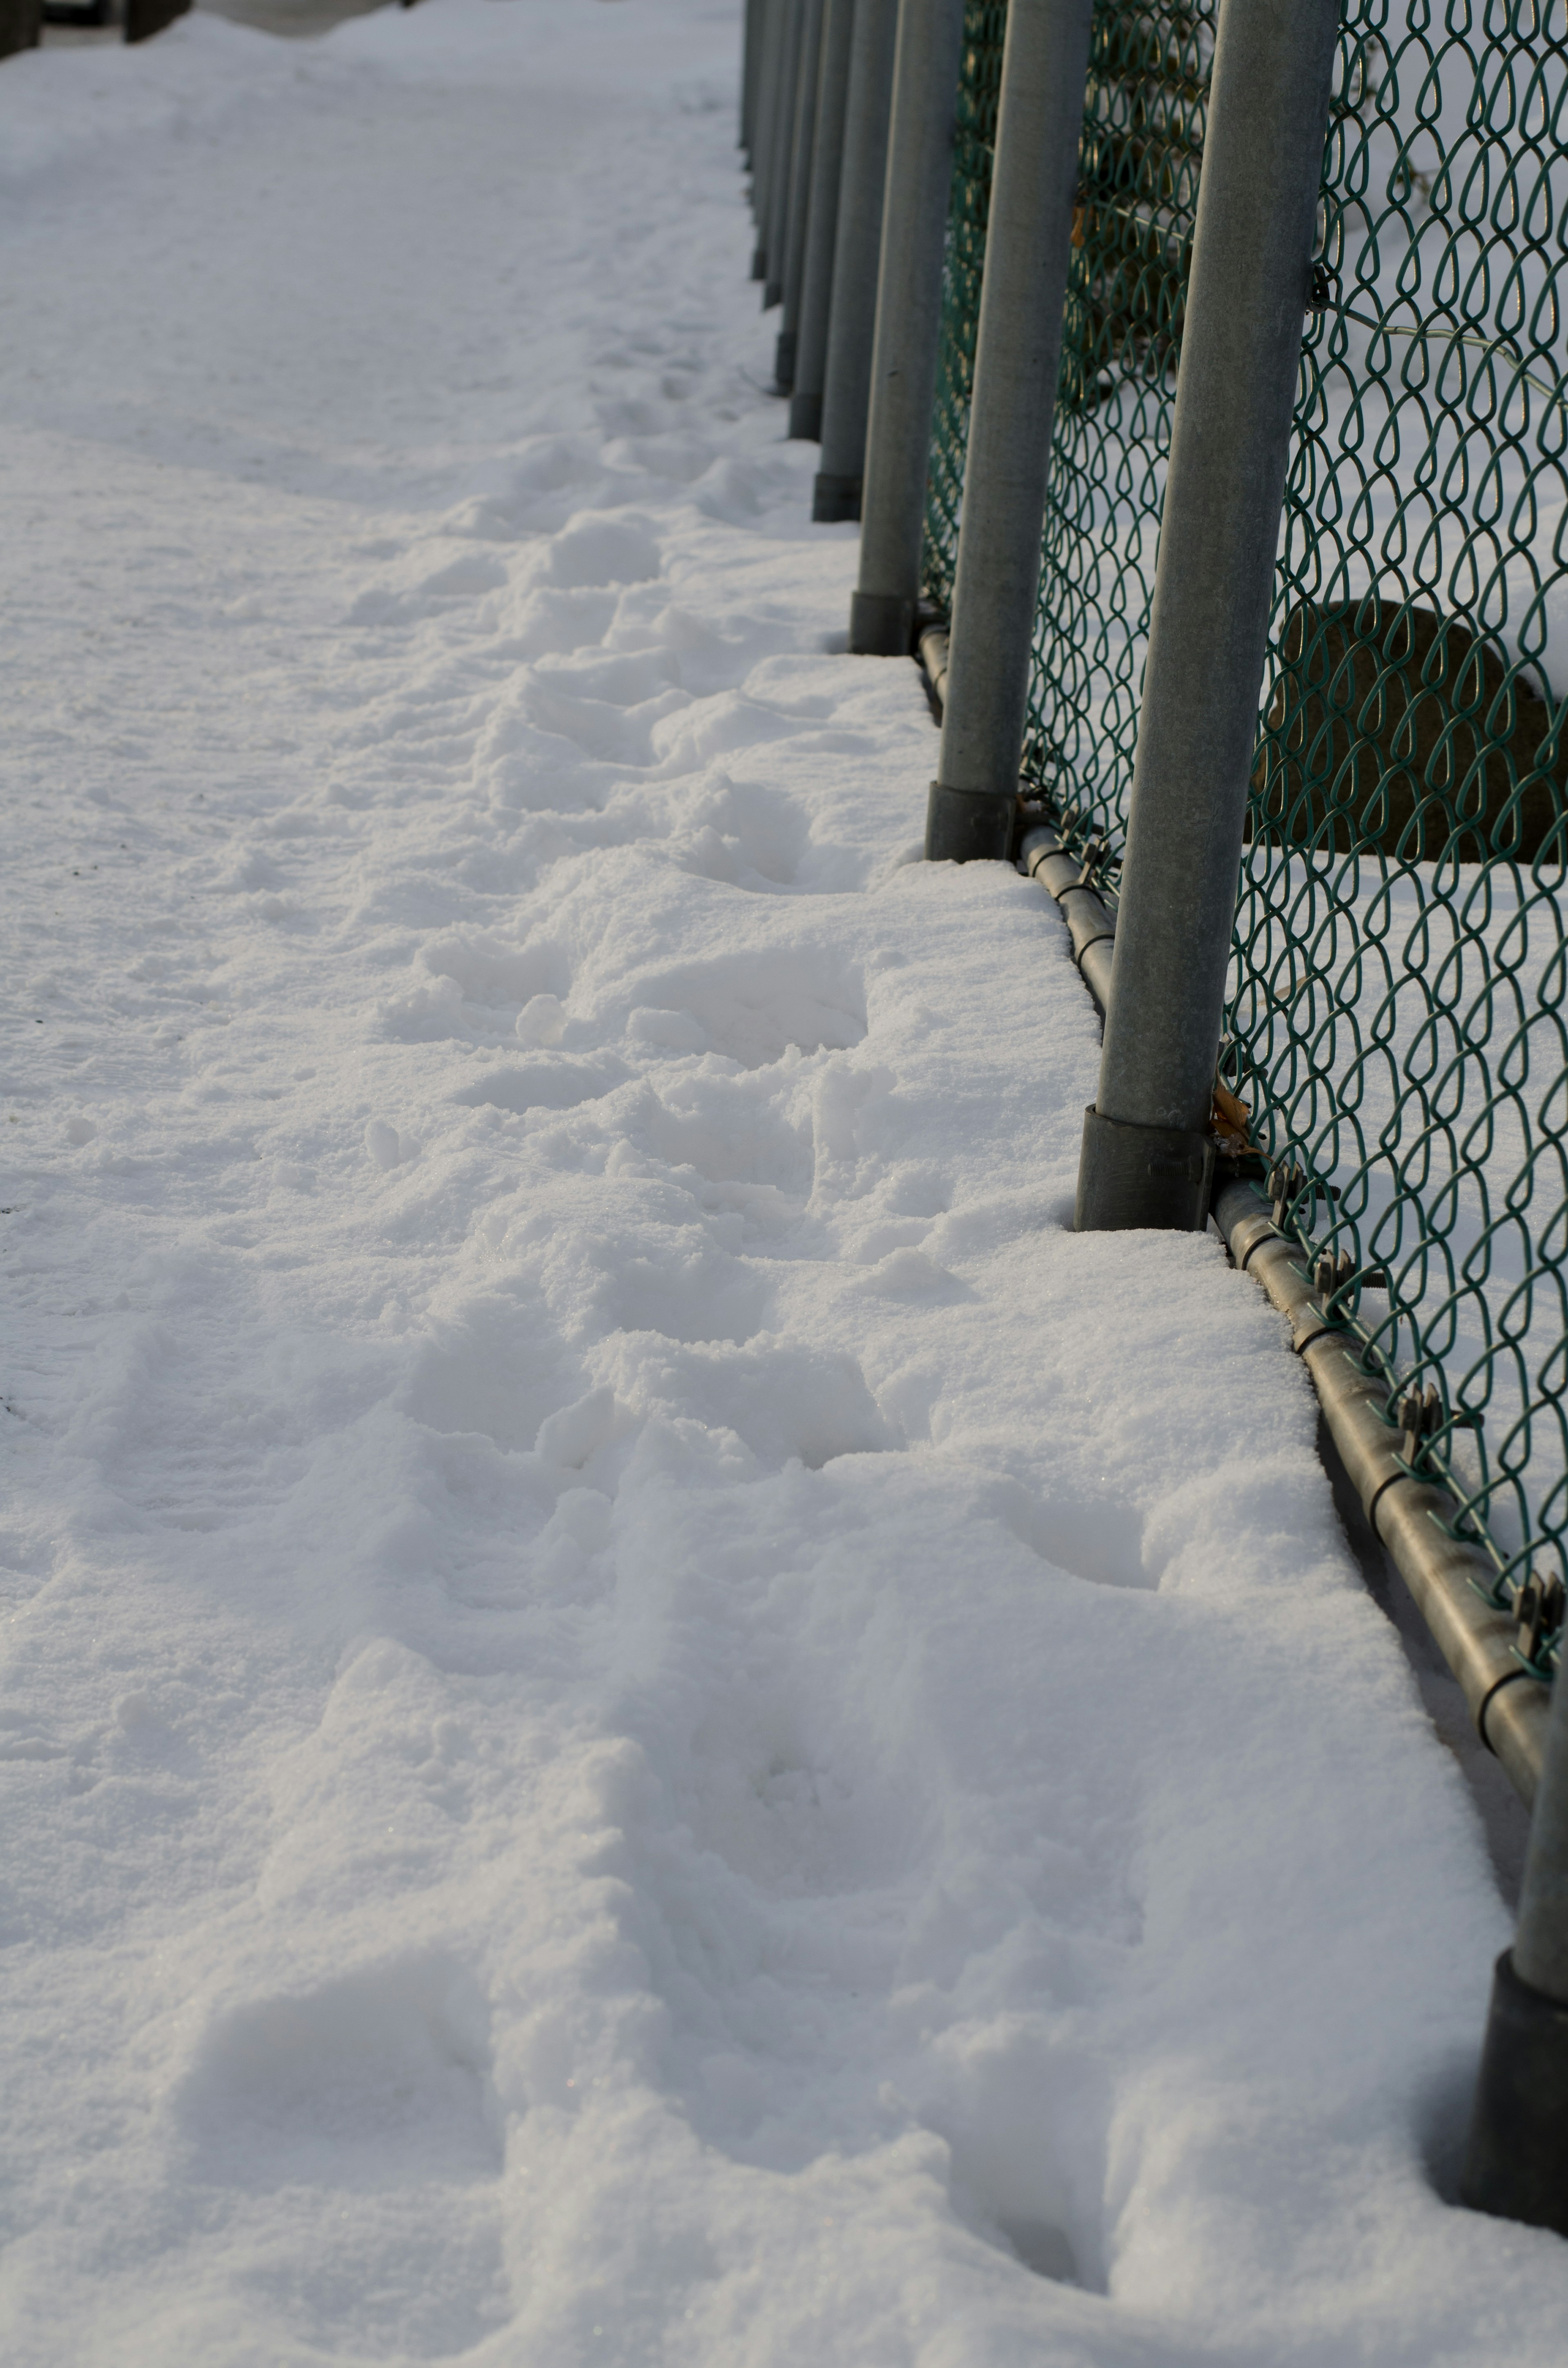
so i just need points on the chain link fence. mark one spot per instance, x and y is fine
(1397, 1047)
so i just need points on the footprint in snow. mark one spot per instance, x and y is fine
(754, 1006)
(376, 2080)
(387, 1147)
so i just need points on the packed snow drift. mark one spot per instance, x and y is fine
(646, 1718)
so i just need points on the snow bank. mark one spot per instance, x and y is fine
(64, 111)
(648, 1717)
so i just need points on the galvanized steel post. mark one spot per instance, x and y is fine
(19, 24)
(1018, 357)
(852, 320)
(909, 321)
(1516, 2162)
(822, 219)
(783, 149)
(751, 40)
(767, 121)
(800, 192)
(1147, 1156)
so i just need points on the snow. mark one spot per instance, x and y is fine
(647, 1717)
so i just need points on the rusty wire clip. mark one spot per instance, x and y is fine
(1539, 1608)
(1095, 850)
(1538, 1611)
(1336, 1269)
(1421, 1416)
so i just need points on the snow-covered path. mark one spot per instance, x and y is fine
(645, 1718)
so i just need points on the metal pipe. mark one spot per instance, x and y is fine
(749, 61)
(767, 112)
(1540, 1944)
(1516, 2159)
(822, 219)
(1091, 928)
(1412, 1518)
(908, 324)
(783, 140)
(847, 382)
(1017, 358)
(932, 652)
(1517, 2156)
(1236, 394)
(800, 191)
(771, 101)
(20, 23)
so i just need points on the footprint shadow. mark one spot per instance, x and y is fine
(753, 1007)
(380, 2079)
(551, 1083)
(1025, 2124)
(1043, 2248)
(1097, 1539)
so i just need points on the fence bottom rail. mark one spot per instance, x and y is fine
(1412, 1517)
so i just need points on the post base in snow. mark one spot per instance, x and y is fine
(881, 625)
(758, 264)
(784, 362)
(1517, 2159)
(805, 417)
(146, 18)
(968, 827)
(1133, 1176)
(19, 21)
(834, 499)
(772, 293)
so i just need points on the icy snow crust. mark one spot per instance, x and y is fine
(647, 1718)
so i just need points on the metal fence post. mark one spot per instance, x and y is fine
(767, 106)
(19, 21)
(770, 98)
(909, 323)
(800, 192)
(822, 219)
(846, 386)
(1017, 358)
(146, 18)
(1517, 2161)
(1147, 1156)
(783, 152)
(750, 61)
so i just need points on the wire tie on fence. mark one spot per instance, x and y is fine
(1420, 1412)
(1286, 1183)
(1540, 1612)
(1322, 286)
(1334, 1271)
(1094, 852)
(1421, 1416)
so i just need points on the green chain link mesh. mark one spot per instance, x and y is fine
(1139, 163)
(1399, 975)
(980, 85)
(1138, 166)
(1396, 1021)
